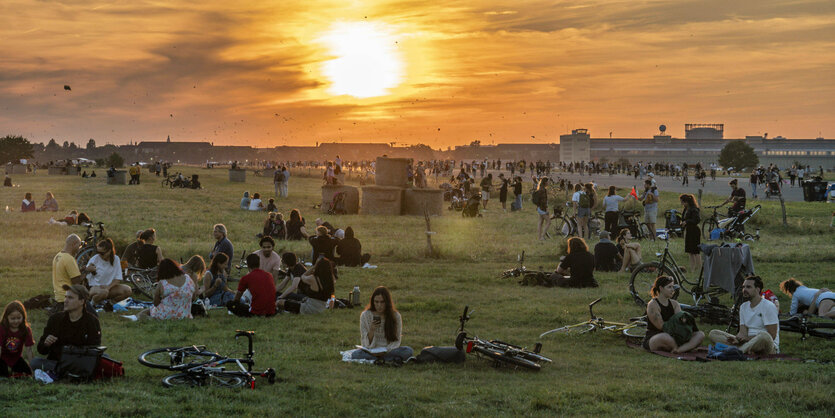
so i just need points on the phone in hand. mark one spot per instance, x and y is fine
(377, 320)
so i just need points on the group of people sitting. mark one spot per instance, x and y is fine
(49, 204)
(255, 203)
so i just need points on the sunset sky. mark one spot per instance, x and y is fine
(267, 73)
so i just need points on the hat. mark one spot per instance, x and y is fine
(603, 234)
(78, 289)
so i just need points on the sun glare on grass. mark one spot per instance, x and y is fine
(366, 61)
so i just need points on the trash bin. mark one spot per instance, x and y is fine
(814, 191)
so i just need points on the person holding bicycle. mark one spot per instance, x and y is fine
(737, 196)
(105, 274)
(692, 232)
(381, 327)
(660, 309)
(819, 302)
(579, 263)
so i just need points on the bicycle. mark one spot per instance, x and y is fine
(168, 181)
(143, 280)
(639, 229)
(636, 328)
(88, 245)
(198, 366)
(565, 225)
(501, 353)
(535, 277)
(732, 226)
(802, 324)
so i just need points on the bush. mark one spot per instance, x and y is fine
(739, 155)
(115, 160)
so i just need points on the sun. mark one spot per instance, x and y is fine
(366, 60)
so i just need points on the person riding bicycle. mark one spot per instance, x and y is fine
(737, 196)
(819, 302)
(759, 327)
(381, 327)
(660, 310)
(579, 263)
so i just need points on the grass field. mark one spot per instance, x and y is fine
(591, 374)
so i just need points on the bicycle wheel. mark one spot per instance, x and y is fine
(143, 284)
(519, 351)
(638, 331)
(707, 226)
(501, 356)
(221, 379)
(577, 329)
(85, 255)
(643, 277)
(176, 357)
(564, 227)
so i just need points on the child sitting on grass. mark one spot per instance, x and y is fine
(16, 339)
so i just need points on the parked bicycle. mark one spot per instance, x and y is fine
(88, 244)
(143, 281)
(501, 353)
(636, 328)
(732, 227)
(808, 325)
(631, 219)
(197, 366)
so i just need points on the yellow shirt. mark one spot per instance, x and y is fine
(64, 268)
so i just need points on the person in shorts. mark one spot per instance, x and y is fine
(650, 201)
(486, 185)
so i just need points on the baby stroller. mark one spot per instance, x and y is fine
(772, 189)
(471, 207)
(672, 222)
(337, 206)
(734, 227)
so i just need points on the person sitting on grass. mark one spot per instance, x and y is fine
(759, 327)
(579, 263)
(271, 207)
(215, 286)
(50, 204)
(262, 287)
(65, 270)
(818, 301)
(256, 204)
(381, 327)
(245, 201)
(7, 182)
(194, 269)
(149, 255)
(279, 230)
(350, 251)
(606, 255)
(270, 260)
(131, 253)
(316, 286)
(295, 226)
(74, 325)
(269, 224)
(292, 269)
(173, 294)
(70, 219)
(629, 251)
(17, 341)
(323, 244)
(660, 309)
(105, 274)
(222, 244)
(27, 204)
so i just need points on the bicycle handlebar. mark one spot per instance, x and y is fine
(591, 306)
(248, 335)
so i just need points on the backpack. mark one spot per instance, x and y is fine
(279, 177)
(585, 200)
(681, 327)
(724, 352)
(434, 354)
(540, 197)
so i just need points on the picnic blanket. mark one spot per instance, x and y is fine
(700, 354)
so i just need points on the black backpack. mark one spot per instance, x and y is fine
(434, 354)
(279, 176)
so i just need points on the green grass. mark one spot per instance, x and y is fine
(591, 375)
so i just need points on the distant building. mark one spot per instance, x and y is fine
(575, 147)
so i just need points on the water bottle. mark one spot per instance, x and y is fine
(331, 302)
(355, 296)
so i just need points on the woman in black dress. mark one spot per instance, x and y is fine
(692, 233)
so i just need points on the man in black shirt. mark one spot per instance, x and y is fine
(737, 196)
(74, 326)
(606, 255)
(323, 244)
(579, 263)
(350, 251)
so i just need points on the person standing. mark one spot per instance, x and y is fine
(486, 185)
(540, 199)
(503, 192)
(278, 180)
(754, 179)
(286, 181)
(610, 205)
(692, 232)
(517, 194)
(650, 199)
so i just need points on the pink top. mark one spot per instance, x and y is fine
(176, 301)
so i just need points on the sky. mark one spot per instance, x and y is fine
(270, 73)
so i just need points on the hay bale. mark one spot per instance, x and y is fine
(381, 200)
(119, 177)
(352, 197)
(416, 199)
(17, 169)
(72, 171)
(237, 176)
(391, 171)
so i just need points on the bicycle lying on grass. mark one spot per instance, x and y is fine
(527, 277)
(88, 245)
(500, 352)
(143, 281)
(807, 325)
(198, 366)
(636, 328)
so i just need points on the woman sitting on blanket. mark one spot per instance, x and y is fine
(818, 301)
(659, 310)
(380, 330)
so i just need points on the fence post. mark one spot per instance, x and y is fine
(700, 197)
(783, 206)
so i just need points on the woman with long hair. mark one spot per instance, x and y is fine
(631, 251)
(104, 274)
(194, 269)
(295, 226)
(381, 329)
(315, 286)
(659, 310)
(692, 233)
(809, 300)
(173, 294)
(17, 341)
(579, 263)
(214, 282)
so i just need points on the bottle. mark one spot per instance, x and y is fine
(355, 296)
(331, 302)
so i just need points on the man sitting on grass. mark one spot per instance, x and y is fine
(72, 326)
(759, 327)
(262, 287)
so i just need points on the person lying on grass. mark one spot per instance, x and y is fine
(819, 301)
(381, 330)
(660, 309)
(173, 294)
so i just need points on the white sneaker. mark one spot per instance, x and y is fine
(42, 376)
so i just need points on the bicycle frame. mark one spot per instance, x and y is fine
(599, 323)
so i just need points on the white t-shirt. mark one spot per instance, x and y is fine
(106, 273)
(611, 202)
(576, 197)
(765, 313)
(254, 204)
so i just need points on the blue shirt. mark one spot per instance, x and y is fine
(224, 246)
